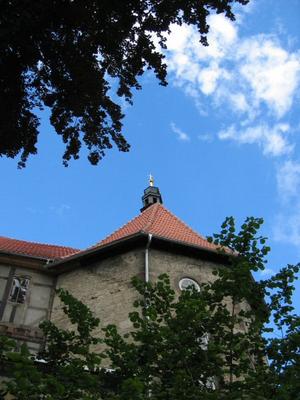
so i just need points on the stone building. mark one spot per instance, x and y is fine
(153, 243)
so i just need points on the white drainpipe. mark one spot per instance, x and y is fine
(147, 258)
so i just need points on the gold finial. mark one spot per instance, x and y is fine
(151, 180)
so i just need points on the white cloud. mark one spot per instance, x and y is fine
(182, 136)
(288, 180)
(255, 78)
(267, 272)
(287, 228)
(209, 77)
(270, 71)
(244, 73)
(272, 140)
(205, 137)
(239, 101)
(248, 8)
(255, 81)
(193, 63)
(287, 222)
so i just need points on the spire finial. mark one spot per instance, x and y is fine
(151, 180)
(151, 194)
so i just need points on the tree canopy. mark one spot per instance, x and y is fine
(77, 58)
(220, 342)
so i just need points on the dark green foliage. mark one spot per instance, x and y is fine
(219, 343)
(62, 369)
(76, 57)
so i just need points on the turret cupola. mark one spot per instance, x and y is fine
(151, 195)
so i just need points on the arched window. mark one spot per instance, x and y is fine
(188, 283)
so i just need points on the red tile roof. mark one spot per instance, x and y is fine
(46, 251)
(160, 222)
(156, 220)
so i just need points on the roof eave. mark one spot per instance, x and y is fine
(192, 249)
(11, 253)
(139, 238)
(24, 260)
(91, 253)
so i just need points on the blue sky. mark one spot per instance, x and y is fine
(222, 139)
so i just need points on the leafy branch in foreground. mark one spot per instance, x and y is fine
(219, 343)
(66, 368)
(77, 58)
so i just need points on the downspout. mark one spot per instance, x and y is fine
(147, 280)
(147, 257)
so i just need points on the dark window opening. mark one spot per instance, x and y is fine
(19, 289)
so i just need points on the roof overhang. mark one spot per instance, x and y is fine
(137, 240)
(24, 260)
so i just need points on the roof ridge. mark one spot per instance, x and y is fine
(151, 219)
(39, 243)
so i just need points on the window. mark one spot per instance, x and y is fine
(188, 283)
(208, 384)
(19, 289)
(203, 341)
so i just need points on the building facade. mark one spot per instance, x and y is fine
(153, 243)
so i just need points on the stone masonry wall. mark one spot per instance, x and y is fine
(178, 267)
(105, 287)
